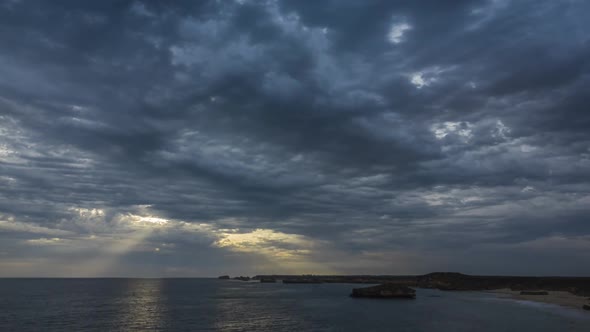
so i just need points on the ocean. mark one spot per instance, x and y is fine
(221, 305)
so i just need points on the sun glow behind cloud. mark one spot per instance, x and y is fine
(268, 242)
(288, 253)
(113, 236)
(149, 220)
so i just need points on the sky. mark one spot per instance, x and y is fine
(243, 137)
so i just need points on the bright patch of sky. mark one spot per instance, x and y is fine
(463, 129)
(397, 31)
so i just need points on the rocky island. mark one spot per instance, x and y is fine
(240, 278)
(385, 291)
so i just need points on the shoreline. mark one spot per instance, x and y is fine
(561, 298)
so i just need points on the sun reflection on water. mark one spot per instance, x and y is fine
(142, 307)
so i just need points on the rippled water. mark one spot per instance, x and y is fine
(217, 305)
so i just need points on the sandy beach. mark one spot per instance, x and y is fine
(554, 297)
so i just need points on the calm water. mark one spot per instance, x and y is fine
(216, 305)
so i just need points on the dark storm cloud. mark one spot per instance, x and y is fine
(375, 129)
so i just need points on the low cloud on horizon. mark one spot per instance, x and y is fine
(200, 138)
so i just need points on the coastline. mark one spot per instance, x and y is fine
(561, 298)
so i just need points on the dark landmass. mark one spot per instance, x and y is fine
(454, 281)
(241, 278)
(534, 293)
(586, 307)
(223, 277)
(302, 281)
(385, 291)
(268, 280)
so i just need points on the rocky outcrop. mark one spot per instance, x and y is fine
(534, 293)
(385, 291)
(241, 278)
(223, 277)
(586, 307)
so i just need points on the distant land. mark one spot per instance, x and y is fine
(453, 281)
(567, 291)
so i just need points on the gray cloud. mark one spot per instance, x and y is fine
(211, 137)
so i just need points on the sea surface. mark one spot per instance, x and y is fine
(221, 305)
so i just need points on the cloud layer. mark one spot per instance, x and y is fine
(210, 137)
